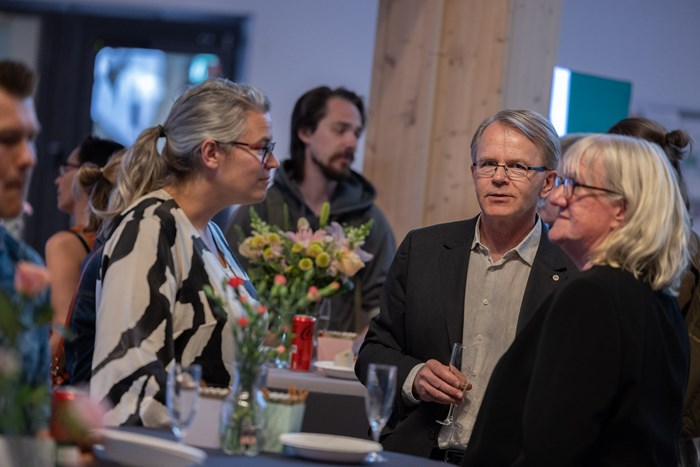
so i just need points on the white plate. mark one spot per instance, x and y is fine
(328, 368)
(129, 448)
(329, 447)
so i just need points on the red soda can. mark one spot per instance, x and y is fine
(62, 398)
(303, 343)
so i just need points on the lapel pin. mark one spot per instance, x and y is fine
(555, 277)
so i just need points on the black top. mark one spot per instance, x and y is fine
(596, 378)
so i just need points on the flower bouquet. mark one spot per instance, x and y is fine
(292, 271)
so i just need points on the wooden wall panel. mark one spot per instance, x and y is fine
(533, 34)
(440, 68)
(400, 111)
(469, 70)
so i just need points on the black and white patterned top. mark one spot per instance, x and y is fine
(151, 309)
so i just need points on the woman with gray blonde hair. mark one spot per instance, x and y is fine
(597, 376)
(163, 248)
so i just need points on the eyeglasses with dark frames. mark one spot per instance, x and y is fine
(513, 170)
(263, 150)
(569, 184)
(67, 167)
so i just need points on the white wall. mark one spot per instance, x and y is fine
(19, 38)
(298, 44)
(655, 44)
(293, 46)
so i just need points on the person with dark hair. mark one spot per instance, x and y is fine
(163, 249)
(325, 129)
(66, 249)
(476, 282)
(72, 361)
(19, 128)
(676, 145)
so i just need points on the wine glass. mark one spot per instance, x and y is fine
(688, 453)
(323, 318)
(379, 400)
(182, 397)
(456, 360)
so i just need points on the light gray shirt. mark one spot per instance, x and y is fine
(494, 294)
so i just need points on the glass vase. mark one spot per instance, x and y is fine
(242, 418)
(284, 339)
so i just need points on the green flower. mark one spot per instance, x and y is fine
(305, 264)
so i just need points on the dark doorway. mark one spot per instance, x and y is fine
(69, 46)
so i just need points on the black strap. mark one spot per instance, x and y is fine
(82, 240)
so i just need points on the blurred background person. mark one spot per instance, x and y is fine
(73, 358)
(597, 377)
(19, 128)
(677, 144)
(163, 248)
(546, 210)
(325, 129)
(65, 250)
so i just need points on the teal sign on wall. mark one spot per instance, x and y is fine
(584, 103)
(596, 104)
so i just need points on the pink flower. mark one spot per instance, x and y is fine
(77, 418)
(261, 309)
(280, 279)
(312, 293)
(280, 349)
(31, 279)
(235, 282)
(243, 321)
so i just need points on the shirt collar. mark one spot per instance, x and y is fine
(526, 249)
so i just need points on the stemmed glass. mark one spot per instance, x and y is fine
(456, 360)
(379, 400)
(182, 397)
(688, 454)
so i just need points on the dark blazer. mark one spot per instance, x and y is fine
(422, 315)
(596, 378)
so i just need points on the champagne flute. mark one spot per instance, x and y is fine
(182, 397)
(688, 453)
(379, 400)
(456, 360)
(323, 318)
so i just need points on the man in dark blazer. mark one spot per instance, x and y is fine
(428, 302)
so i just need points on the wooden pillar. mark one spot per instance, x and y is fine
(440, 68)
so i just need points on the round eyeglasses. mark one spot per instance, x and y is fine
(513, 170)
(263, 150)
(569, 184)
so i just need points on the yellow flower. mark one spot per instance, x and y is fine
(314, 249)
(297, 248)
(273, 238)
(305, 264)
(252, 247)
(257, 242)
(349, 263)
(323, 260)
(268, 253)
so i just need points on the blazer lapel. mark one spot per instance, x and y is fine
(549, 271)
(454, 261)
